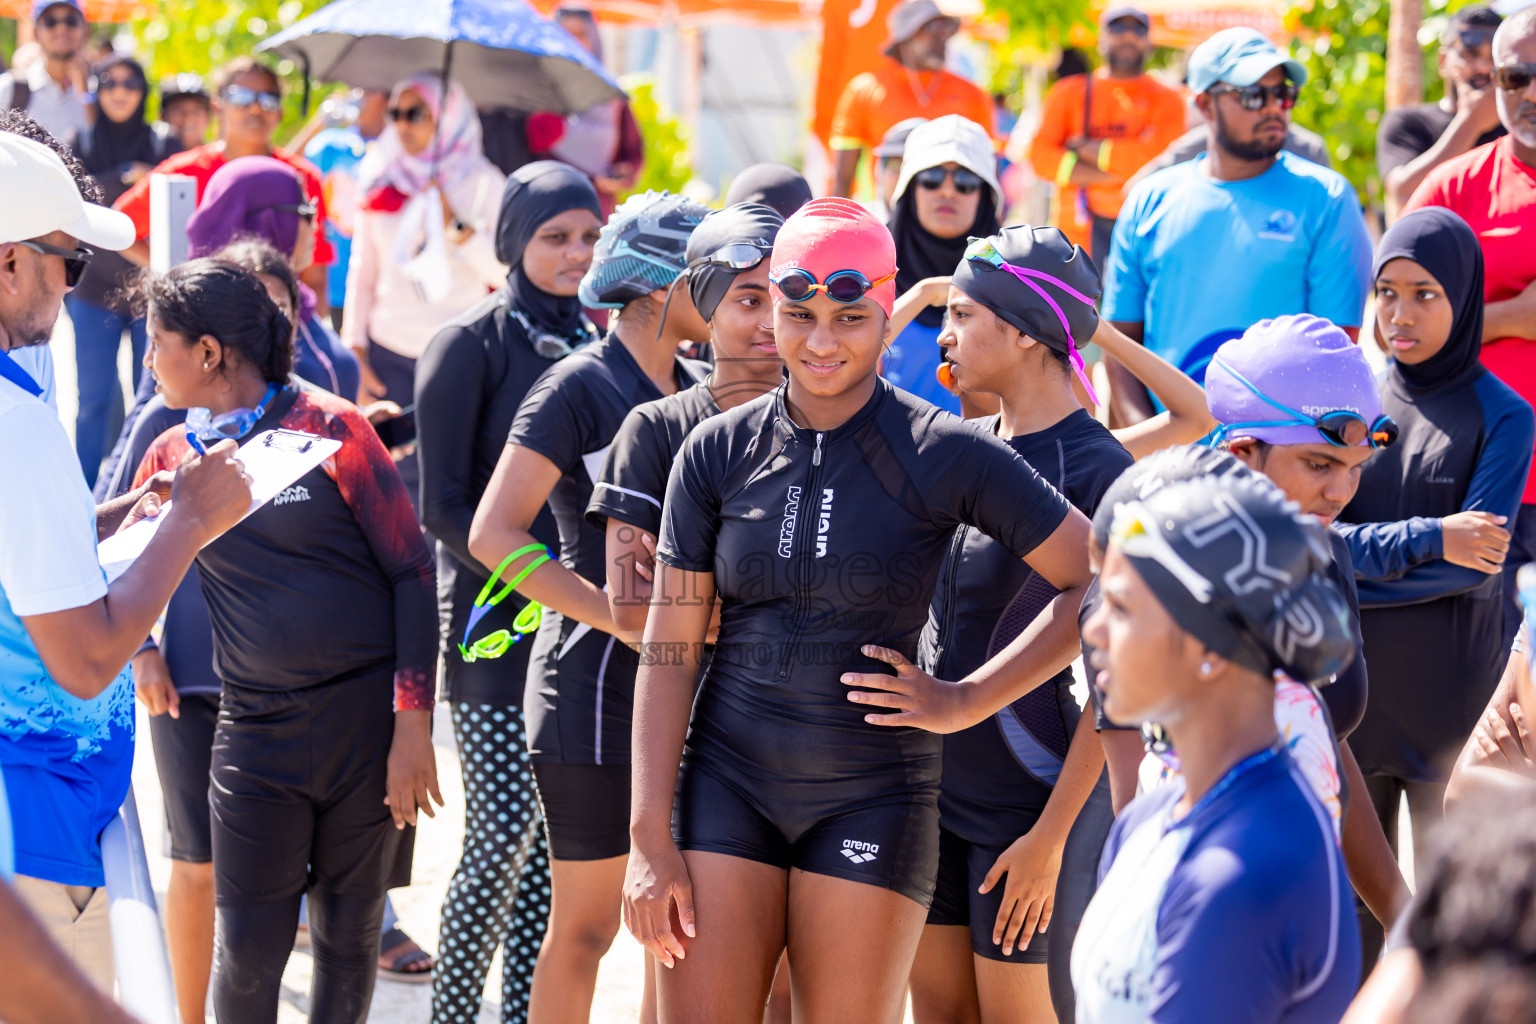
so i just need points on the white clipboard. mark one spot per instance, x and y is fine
(274, 460)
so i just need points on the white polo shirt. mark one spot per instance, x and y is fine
(66, 760)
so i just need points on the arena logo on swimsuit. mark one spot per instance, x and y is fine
(824, 523)
(791, 513)
(859, 853)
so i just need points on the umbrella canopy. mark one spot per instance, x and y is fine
(698, 13)
(503, 52)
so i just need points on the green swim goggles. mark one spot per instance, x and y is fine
(497, 643)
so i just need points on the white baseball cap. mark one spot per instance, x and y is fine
(41, 196)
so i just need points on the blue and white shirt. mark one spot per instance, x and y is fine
(67, 762)
(1239, 912)
(1198, 261)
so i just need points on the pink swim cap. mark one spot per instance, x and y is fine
(828, 235)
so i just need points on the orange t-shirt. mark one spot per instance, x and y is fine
(1138, 117)
(877, 100)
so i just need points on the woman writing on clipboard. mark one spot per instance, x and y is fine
(325, 638)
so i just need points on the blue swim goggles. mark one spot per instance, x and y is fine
(231, 425)
(1342, 428)
(496, 644)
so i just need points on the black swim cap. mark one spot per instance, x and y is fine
(744, 224)
(1047, 252)
(1242, 570)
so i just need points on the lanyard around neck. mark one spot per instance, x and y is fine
(16, 375)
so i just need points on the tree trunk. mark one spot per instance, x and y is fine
(1405, 61)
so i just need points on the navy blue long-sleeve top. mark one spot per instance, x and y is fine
(1433, 632)
(1462, 447)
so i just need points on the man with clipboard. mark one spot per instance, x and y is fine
(66, 698)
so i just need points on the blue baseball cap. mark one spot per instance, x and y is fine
(1239, 56)
(42, 5)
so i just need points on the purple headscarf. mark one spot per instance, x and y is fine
(242, 200)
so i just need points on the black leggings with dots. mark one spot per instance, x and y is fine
(500, 892)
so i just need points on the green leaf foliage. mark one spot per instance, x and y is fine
(666, 139)
(1344, 44)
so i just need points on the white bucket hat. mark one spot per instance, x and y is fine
(950, 139)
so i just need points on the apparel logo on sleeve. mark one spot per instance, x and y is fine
(859, 853)
(791, 513)
(297, 492)
(824, 522)
(1280, 227)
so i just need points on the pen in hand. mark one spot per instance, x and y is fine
(196, 443)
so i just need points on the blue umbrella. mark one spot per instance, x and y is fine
(503, 52)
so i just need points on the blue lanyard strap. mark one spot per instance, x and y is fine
(16, 375)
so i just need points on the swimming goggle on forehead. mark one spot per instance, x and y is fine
(983, 251)
(1342, 428)
(842, 286)
(496, 644)
(736, 256)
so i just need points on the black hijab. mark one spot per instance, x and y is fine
(921, 254)
(112, 144)
(1442, 243)
(536, 193)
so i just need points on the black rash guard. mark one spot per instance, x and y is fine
(821, 542)
(1434, 632)
(581, 681)
(469, 384)
(999, 773)
(633, 483)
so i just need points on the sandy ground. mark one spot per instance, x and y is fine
(438, 843)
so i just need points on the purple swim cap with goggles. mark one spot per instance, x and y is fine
(1296, 380)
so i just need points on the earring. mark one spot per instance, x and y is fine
(1205, 668)
(205, 366)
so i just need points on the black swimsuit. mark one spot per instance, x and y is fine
(821, 542)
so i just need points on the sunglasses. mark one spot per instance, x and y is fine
(1514, 77)
(240, 96)
(1341, 428)
(842, 286)
(305, 210)
(932, 178)
(410, 115)
(75, 260)
(1127, 26)
(736, 256)
(116, 84)
(67, 20)
(981, 250)
(1474, 38)
(1257, 97)
(496, 644)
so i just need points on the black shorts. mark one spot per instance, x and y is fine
(880, 830)
(586, 809)
(963, 866)
(183, 752)
(297, 796)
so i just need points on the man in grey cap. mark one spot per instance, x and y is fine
(1246, 232)
(1096, 130)
(912, 84)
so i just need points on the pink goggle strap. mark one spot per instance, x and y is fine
(1024, 274)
